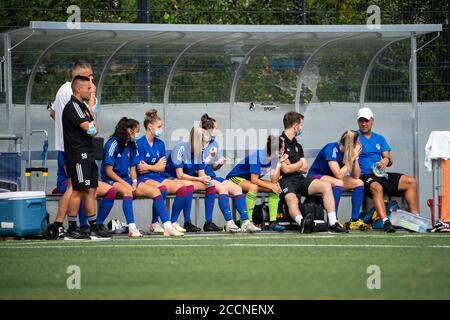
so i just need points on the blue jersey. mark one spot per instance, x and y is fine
(120, 161)
(255, 163)
(320, 165)
(181, 157)
(208, 167)
(150, 155)
(372, 150)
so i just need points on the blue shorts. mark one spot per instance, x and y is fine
(221, 180)
(128, 180)
(62, 186)
(159, 178)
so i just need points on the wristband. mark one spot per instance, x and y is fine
(134, 180)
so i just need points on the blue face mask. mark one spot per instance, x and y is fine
(94, 108)
(157, 133)
(299, 133)
(212, 138)
(136, 136)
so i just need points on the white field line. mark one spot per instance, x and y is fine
(228, 237)
(260, 245)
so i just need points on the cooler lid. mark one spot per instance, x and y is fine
(18, 195)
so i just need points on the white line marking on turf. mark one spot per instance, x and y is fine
(214, 245)
(320, 245)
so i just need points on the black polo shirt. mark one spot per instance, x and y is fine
(294, 150)
(78, 146)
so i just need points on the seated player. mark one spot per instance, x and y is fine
(293, 183)
(186, 163)
(337, 163)
(249, 173)
(119, 169)
(224, 187)
(151, 170)
(375, 157)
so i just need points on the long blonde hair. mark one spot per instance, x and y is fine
(348, 140)
(196, 138)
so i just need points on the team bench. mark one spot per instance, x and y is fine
(310, 154)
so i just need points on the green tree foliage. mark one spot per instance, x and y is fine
(270, 76)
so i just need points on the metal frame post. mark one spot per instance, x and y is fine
(414, 105)
(436, 164)
(8, 82)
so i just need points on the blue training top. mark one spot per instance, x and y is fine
(150, 155)
(208, 167)
(372, 150)
(255, 163)
(120, 161)
(181, 157)
(330, 152)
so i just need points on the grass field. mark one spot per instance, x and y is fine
(220, 266)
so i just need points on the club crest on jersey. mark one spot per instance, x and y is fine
(119, 155)
(378, 146)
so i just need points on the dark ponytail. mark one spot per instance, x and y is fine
(207, 122)
(121, 133)
(274, 144)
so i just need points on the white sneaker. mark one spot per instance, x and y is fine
(177, 227)
(172, 232)
(231, 227)
(249, 227)
(155, 228)
(134, 233)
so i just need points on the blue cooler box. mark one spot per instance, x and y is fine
(22, 213)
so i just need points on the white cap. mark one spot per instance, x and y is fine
(365, 113)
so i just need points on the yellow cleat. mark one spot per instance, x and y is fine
(359, 225)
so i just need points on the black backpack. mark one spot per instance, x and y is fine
(314, 206)
(311, 205)
(260, 215)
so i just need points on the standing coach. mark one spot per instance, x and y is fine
(79, 128)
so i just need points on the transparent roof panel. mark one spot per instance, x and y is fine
(204, 63)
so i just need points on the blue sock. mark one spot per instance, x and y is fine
(178, 204)
(106, 205)
(82, 215)
(241, 206)
(155, 215)
(188, 203)
(210, 198)
(224, 205)
(337, 193)
(357, 199)
(160, 207)
(127, 205)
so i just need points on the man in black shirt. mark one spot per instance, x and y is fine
(293, 183)
(79, 128)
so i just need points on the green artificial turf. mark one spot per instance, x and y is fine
(261, 266)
